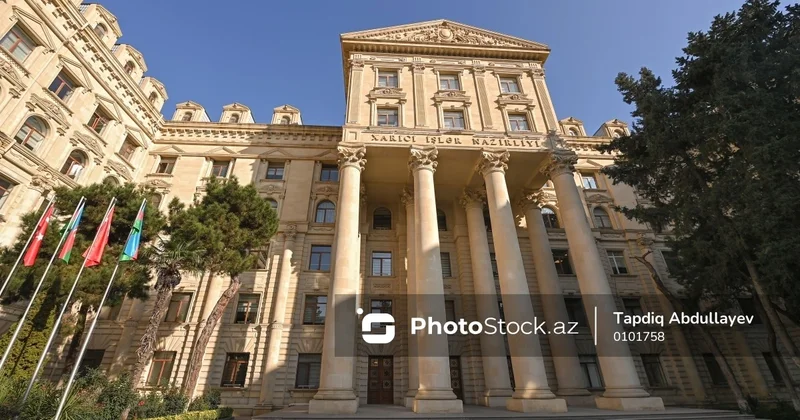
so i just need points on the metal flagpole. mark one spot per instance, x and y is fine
(21, 321)
(25, 248)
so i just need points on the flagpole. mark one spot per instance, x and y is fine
(30, 238)
(21, 321)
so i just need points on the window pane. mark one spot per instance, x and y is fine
(320, 257)
(381, 263)
(446, 268)
(166, 165)
(518, 122)
(329, 173)
(561, 260)
(714, 371)
(308, 371)
(454, 119)
(382, 219)
(450, 310)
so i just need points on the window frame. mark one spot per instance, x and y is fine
(586, 361)
(589, 181)
(514, 119)
(187, 116)
(387, 113)
(218, 163)
(566, 262)
(319, 250)
(382, 226)
(73, 162)
(250, 316)
(325, 213)
(307, 367)
(504, 82)
(382, 308)
(382, 257)
(576, 312)
(638, 305)
(714, 370)
(133, 147)
(448, 77)
(275, 171)
(450, 310)
(231, 370)
(100, 118)
(654, 379)
(31, 129)
(387, 75)
(329, 169)
(180, 312)
(22, 37)
(602, 221)
(6, 188)
(158, 357)
(316, 318)
(65, 80)
(441, 220)
(454, 115)
(446, 273)
(169, 162)
(616, 258)
(550, 218)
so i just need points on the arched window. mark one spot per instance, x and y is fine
(152, 98)
(100, 30)
(187, 116)
(32, 132)
(487, 220)
(549, 217)
(234, 118)
(617, 133)
(273, 204)
(110, 180)
(129, 66)
(441, 220)
(326, 212)
(382, 219)
(601, 218)
(74, 164)
(286, 120)
(573, 131)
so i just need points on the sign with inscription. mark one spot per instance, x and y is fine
(456, 141)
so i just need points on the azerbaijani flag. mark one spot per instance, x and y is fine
(131, 251)
(72, 228)
(94, 254)
(41, 230)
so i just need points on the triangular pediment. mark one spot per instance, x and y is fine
(285, 108)
(172, 149)
(221, 151)
(189, 104)
(236, 106)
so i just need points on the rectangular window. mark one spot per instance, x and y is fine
(166, 165)
(653, 370)
(247, 309)
(670, 260)
(561, 260)
(387, 117)
(381, 263)
(387, 78)
(447, 270)
(92, 359)
(518, 122)
(127, 150)
(235, 370)
(5, 190)
(219, 168)
(329, 173)
(315, 309)
(450, 310)
(161, 368)
(509, 85)
(260, 259)
(493, 262)
(748, 306)
(591, 373)
(308, 369)
(275, 170)
(99, 120)
(320, 258)
(617, 261)
(589, 181)
(17, 43)
(449, 82)
(575, 311)
(178, 309)
(632, 305)
(772, 365)
(714, 371)
(380, 306)
(454, 120)
(62, 85)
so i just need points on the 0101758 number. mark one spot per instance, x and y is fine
(639, 336)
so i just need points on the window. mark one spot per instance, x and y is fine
(653, 370)
(589, 181)
(632, 306)
(617, 134)
(671, 261)
(329, 173)
(387, 117)
(161, 368)
(110, 180)
(450, 310)
(454, 120)
(575, 311)
(219, 168)
(32, 133)
(100, 30)
(320, 258)
(260, 259)
(166, 165)
(601, 218)
(275, 170)
(487, 220)
(286, 120)
(234, 118)
(387, 79)
(314, 310)
(17, 43)
(714, 371)
(509, 85)
(5, 190)
(326, 213)
(129, 66)
(62, 85)
(493, 262)
(178, 309)
(273, 204)
(235, 370)
(449, 82)
(308, 370)
(92, 359)
(441, 220)
(99, 120)
(382, 219)
(127, 150)
(381, 263)
(573, 132)
(772, 365)
(748, 306)
(75, 163)
(549, 217)
(518, 122)
(380, 306)
(152, 98)
(187, 116)
(591, 373)
(247, 309)
(561, 260)
(447, 270)
(617, 261)
(155, 200)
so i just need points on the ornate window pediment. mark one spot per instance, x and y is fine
(514, 99)
(50, 109)
(119, 168)
(89, 142)
(387, 93)
(452, 95)
(8, 72)
(34, 27)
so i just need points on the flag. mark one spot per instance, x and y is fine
(131, 251)
(72, 228)
(36, 243)
(94, 254)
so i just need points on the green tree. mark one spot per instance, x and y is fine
(228, 221)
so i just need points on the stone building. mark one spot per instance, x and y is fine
(451, 189)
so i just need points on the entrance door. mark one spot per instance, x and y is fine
(455, 377)
(380, 389)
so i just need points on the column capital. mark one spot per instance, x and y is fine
(532, 199)
(290, 233)
(423, 158)
(407, 196)
(493, 161)
(352, 156)
(561, 161)
(472, 197)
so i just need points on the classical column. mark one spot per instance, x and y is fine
(493, 350)
(276, 321)
(562, 347)
(623, 389)
(435, 395)
(411, 294)
(335, 395)
(532, 391)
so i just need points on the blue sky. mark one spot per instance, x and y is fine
(267, 53)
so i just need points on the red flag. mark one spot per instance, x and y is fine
(36, 243)
(94, 254)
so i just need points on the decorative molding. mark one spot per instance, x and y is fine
(8, 72)
(118, 168)
(514, 99)
(388, 93)
(50, 109)
(407, 196)
(352, 156)
(493, 161)
(472, 197)
(89, 142)
(326, 190)
(561, 161)
(423, 158)
(290, 233)
(452, 95)
(599, 199)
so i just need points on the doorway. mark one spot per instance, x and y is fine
(380, 389)
(456, 381)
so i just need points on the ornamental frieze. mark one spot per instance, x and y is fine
(50, 109)
(87, 141)
(118, 168)
(457, 141)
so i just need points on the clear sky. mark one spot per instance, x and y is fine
(265, 53)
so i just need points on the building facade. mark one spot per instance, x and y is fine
(450, 190)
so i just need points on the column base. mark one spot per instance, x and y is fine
(333, 406)
(630, 404)
(409, 402)
(572, 392)
(494, 401)
(553, 405)
(438, 406)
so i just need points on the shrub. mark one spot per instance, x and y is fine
(208, 401)
(220, 413)
(174, 401)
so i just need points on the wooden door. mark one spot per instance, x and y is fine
(456, 381)
(380, 389)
